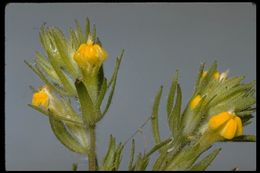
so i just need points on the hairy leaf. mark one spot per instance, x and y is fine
(89, 112)
(65, 137)
(118, 61)
(155, 128)
(205, 162)
(171, 94)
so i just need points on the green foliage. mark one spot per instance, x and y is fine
(89, 111)
(132, 154)
(174, 120)
(205, 162)
(113, 83)
(112, 159)
(65, 137)
(172, 94)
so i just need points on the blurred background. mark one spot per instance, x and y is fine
(158, 38)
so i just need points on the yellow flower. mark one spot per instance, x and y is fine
(204, 74)
(89, 55)
(41, 98)
(195, 101)
(227, 124)
(216, 75)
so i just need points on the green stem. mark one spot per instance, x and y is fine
(92, 165)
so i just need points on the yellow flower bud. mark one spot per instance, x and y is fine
(89, 55)
(195, 101)
(227, 124)
(41, 98)
(216, 75)
(204, 74)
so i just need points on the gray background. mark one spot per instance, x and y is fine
(158, 39)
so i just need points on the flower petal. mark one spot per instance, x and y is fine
(40, 99)
(229, 130)
(219, 119)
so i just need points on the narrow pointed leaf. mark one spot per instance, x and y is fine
(43, 111)
(73, 39)
(171, 94)
(208, 77)
(138, 163)
(98, 41)
(110, 155)
(233, 92)
(43, 61)
(46, 67)
(246, 112)
(65, 137)
(94, 33)
(109, 149)
(157, 147)
(66, 82)
(141, 163)
(201, 69)
(226, 86)
(87, 29)
(79, 32)
(113, 84)
(100, 77)
(204, 163)
(145, 163)
(155, 128)
(118, 156)
(57, 117)
(45, 80)
(62, 47)
(243, 138)
(87, 107)
(132, 153)
(102, 93)
(159, 162)
(175, 116)
(118, 60)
